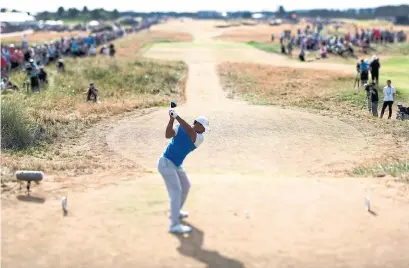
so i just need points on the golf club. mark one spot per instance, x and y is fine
(173, 104)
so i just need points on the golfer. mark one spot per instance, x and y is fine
(185, 139)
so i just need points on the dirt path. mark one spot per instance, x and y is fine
(248, 137)
(254, 200)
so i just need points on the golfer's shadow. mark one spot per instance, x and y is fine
(191, 246)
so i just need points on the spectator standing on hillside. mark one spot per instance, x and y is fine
(33, 72)
(27, 55)
(3, 63)
(112, 50)
(363, 68)
(283, 51)
(281, 38)
(92, 92)
(374, 100)
(6, 54)
(103, 50)
(61, 65)
(388, 97)
(74, 47)
(302, 55)
(375, 66)
(290, 48)
(13, 57)
(42, 75)
(368, 89)
(377, 35)
(92, 50)
(323, 52)
(24, 42)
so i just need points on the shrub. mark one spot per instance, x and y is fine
(18, 130)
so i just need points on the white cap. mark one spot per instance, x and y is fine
(374, 57)
(203, 121)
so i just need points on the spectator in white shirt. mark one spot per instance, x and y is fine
(388, 96)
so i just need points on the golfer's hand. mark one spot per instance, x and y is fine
(173, 114)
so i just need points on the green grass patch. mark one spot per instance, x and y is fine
(74, 21)
(156, 42)
(356, 98)
(397, 49)
(396, 69)
(395, 169)
(367, 23)
(267, 47)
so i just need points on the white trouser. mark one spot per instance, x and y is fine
(177, 184)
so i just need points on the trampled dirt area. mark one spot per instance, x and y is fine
(261, 32)
(134, 45)
(261, 193)
(257, 32)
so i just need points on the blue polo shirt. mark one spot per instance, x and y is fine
(181, 145)
(364, 66)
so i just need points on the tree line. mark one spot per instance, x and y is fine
(81, 15)
(101, 14)
(362, 13)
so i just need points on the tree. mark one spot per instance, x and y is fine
(115, 14)
(60, 12)
(44, 16)
(85, 10)
(73, 13)
(281, 11)
(246, 14)
(95, 14)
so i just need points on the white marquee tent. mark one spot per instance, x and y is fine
(16, 18)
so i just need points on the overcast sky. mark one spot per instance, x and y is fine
(194, 5)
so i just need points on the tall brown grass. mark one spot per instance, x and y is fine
(124, 84)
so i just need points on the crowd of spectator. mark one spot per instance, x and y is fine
(33, 58)
(13, 56)
(364, 68)
(312, 39)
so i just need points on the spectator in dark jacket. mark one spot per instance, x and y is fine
(301, 56)
(375, 66)
(374, 99)
(33, 71)
(368, 89)
(103, 50)
(92, 92)
(112, 50)
(61, 65)
(42, 76)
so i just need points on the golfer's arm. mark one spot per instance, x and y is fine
(169, 133)
(186, 127)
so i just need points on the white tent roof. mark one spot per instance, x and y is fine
(15, 17)
(93, 23)
(257, 16)
(54, 22)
